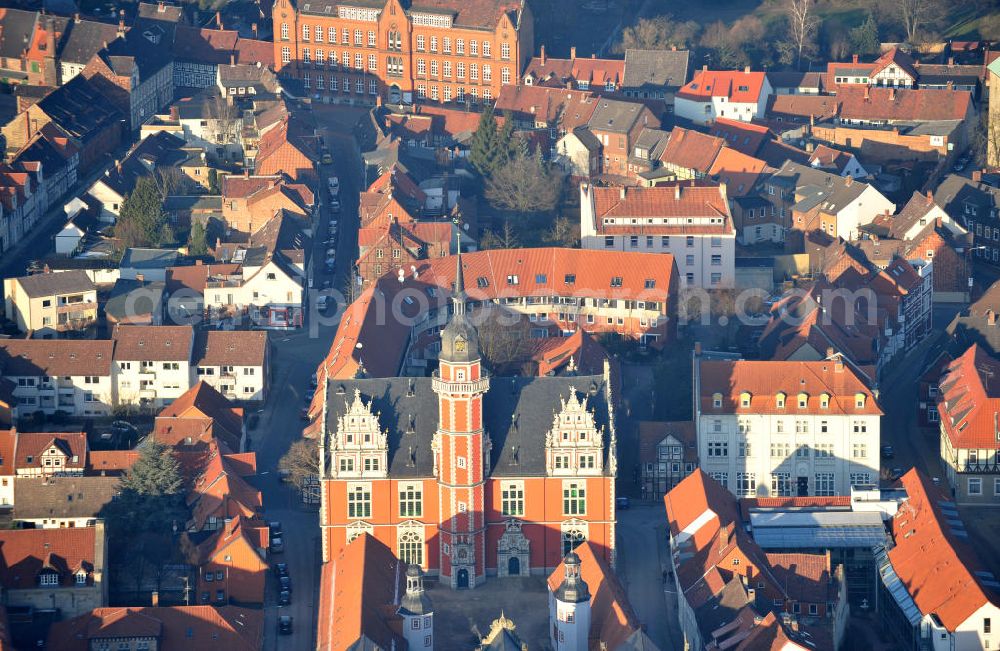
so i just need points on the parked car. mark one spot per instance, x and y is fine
(274, 527)
(284, 598)
(888, 452)
(277, 545)
(331, 252)
(285, 625)
(334, 205)
(281, 569)
(896, 473)
(322, 302)
(622, 503)
(333, 183)
(325, 157)
(285, 583)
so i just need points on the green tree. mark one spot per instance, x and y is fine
(864, 37)
(213, 181)
(197, 244)
(485, 151)
(141, 221)
(155, 474)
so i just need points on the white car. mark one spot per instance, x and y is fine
(333, 183)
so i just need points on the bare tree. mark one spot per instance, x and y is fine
(301, 462)
(525, 184)
(802, 28)
(504, 339)
(659, 33)
(224, 118)
(505, 238)
(170, 181)
(917, 16)
(565, 233)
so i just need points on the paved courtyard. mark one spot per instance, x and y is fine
(462, 617)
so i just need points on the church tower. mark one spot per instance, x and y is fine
(569, 609)
(417, 612)
(459, 447)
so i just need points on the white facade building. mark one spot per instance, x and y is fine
(68, 375)
(730, 94)
(691, 222)
(786, 428)
(152, 364)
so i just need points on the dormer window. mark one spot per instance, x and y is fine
(803, 400)
(717, 400)
(48, 578)
(81, 577)
(745, 399)
(859, 401)
(824, 401)
(780, 401)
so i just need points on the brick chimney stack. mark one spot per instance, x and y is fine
(542, 56)
(854, 58)
(572, 52)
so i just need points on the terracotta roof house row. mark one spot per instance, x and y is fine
(734, 594)
(712, 94)
(88, 378)
(898, 69)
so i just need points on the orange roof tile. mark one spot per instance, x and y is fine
(111, 461)
(937, 568)
(357, 591)
(153, 343)
(764, 380)
(25, 552)
(691, 149)
(738, 171)
(31, 445)
(902, 104)
(969, 400)
(737, 86)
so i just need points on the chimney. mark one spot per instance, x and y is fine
(154, 599)
(593, 55)
(892, 94)
(572, 52)
(673, 48)
(938, 222)
(951, 61)
(829, 352)
(378, 101)
(677, 192)
(621, 192)
(121, 25)
(854, 58)
(218, 19)
(253, 28)
(246, 173)
(76, 18)
(542, 56)
(930, 198)
(232, 59)
(697, 349)
(140, 278)
(746, 70)
(991, 317)
(838, 366)
(848, 180)
(866, 93)
(704, 68)
(951, 85)
(977, 176)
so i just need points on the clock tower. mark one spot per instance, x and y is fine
(459, 448)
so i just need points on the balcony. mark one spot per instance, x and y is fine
(981, 468)
(83, 307)
(476, 386)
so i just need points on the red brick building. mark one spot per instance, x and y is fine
(466, 475)
(441, 50)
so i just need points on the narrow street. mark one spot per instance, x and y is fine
(295, 358)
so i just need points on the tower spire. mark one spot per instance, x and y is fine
(458, 297)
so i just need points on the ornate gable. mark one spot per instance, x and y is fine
(359, 447)
(574, 445)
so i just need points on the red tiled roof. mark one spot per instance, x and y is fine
(55, 357)
(691, 149)
(737, 170)
(737, 86)
(897, 57)
(567, 108)
(153, 343)
(33, 444)
(677, 199)
(111, 461)
(937, 568)
(8, 443)
(698, 506)
(179, 628)
(220, 492)
(803, 107)
(26, 552)
(970, 400)
(358, 590)
(199, 404)
(195, 277)
(742, 136)
(235, 348)
(901, 104)
(807, 576)
(250, 51)
(764, 380)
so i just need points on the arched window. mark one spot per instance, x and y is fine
(411, 547)
(824, 401)
(716, 400)
(745, 399)
(780, 401)
(803, 400)
(355, 529)
(859, 400)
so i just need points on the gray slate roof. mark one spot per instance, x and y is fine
(52, 284)
(614, 115)
(63, 497)
(16, 30)
(148, 298)
(136, 258)
(517, 413)
(85, 39)
(655, 68)
(818, 187)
